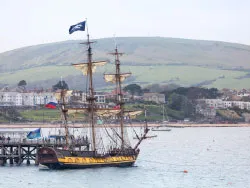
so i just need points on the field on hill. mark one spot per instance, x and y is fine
(143, 75)
(151, 60)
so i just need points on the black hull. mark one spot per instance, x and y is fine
(58, 166)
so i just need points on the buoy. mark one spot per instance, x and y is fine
(185, 171)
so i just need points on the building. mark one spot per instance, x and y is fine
(154, 97)
(100, 97)
(203, 108)
(220, 104)
(11, 98)
(113, 95)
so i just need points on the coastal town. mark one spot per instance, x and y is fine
(227, 106)
(118, 94)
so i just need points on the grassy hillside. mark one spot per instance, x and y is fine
(151, 60)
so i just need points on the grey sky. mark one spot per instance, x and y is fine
(30, 22)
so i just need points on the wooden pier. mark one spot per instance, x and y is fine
(16, 151)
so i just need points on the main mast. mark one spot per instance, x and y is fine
(87, 70)
(91, 98)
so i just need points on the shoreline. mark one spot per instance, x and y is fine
(173, 125)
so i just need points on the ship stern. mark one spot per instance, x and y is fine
(48, 157)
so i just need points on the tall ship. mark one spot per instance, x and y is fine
(107, 145)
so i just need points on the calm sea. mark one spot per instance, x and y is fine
(212, 157)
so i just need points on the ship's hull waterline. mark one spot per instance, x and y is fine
(54, 160)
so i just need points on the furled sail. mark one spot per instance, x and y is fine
(77, 111)
(84, 66)
(133, 114)
(107, 113)
(66, 93)
(112, 77)
(104, 112)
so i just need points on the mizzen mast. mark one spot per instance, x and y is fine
(119, 94)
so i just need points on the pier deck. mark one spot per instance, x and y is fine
(17, 151)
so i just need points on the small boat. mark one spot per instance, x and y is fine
(164, 126)
(150, 136)
(175, 126)
(161, 128)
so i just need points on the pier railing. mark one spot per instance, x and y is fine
(17, 141)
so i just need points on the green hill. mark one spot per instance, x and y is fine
(150, 59)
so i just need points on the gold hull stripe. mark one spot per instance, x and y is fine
(93, 161)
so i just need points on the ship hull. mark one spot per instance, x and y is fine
(57, 166)
(62, 159)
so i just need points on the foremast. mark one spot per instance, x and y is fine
(64, 112)
(61, 98)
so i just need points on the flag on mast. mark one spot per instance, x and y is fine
(34, 134)
(117, 107)
(51, 105)
(77, 27)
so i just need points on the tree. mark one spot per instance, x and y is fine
(197, 93)
(181, 103)
(155, 88)
(60, 85)
(145, 90)
(22, 83)
(133, 89)
(175, 101)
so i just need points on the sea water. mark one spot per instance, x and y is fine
(183, 157)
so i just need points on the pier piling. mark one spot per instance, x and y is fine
(18, 151)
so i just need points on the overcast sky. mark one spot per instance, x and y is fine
(30, 22)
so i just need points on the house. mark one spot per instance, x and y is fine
(205, 109)
(220, 104)
(155, 97)
(113, 94)
(13, 98)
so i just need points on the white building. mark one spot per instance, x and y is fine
(220, 104)
(155, 97)
(8, 98)
(11, 98)
(100, 97)
(26, 99)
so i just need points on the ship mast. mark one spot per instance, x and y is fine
(119, 99)
(88, 69)
(91, 98)
(64, 111)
